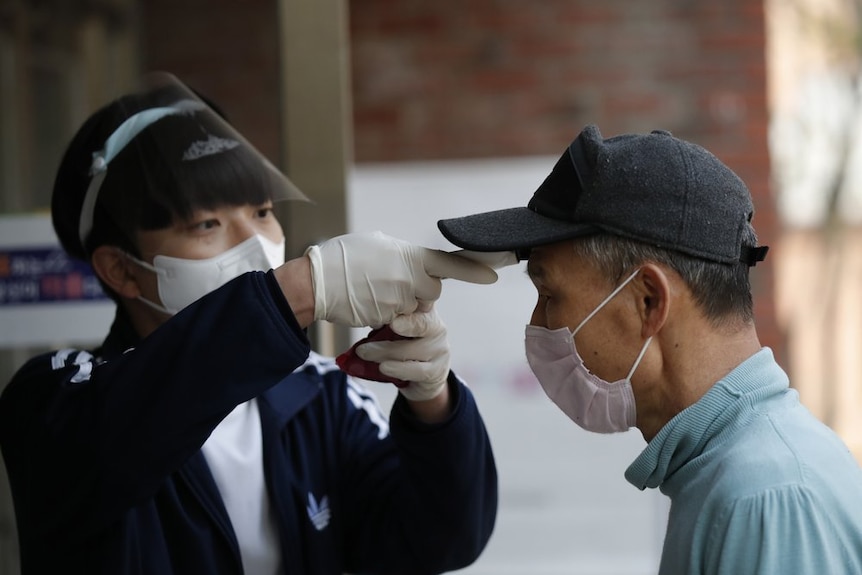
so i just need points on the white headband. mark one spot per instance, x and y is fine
(121, 137)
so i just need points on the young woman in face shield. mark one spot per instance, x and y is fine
(203, 435)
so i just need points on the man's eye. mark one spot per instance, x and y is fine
(264, 213)
(206, 225)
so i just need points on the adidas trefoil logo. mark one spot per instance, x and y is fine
(318, 512)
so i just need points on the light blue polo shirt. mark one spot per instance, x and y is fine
(757, 484)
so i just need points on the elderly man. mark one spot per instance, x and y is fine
(639, 247)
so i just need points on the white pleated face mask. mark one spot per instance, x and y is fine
(183, 281)
(590, 401)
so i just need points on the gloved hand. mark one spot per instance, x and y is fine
(422, 360)
(494, 260)
(366, 279)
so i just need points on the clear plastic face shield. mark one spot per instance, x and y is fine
(168, 155)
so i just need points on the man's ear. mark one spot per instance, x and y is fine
(656, 296)
(116, 271)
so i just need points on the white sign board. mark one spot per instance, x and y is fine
(46, 299)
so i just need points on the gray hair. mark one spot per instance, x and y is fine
(721, 291)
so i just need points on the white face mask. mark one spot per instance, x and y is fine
(183, 281)
(590, 401)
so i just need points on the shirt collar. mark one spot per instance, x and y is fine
(686, 436)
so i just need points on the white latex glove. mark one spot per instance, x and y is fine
(422, 361)
(494, 260)
(366, 279)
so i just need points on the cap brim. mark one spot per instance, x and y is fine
(513, 229)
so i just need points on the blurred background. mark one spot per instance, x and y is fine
(393, 114)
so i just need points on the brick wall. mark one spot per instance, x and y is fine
(485, 78)
(496, 77)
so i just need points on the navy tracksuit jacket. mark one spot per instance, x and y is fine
(103, 453)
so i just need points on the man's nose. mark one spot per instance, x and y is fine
(538, 316)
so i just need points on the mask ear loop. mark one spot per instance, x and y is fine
(638, 360)
(155, 270)
(605, 301)
(119, 139)
(147, 266)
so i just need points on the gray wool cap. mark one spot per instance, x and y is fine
(654, 188)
